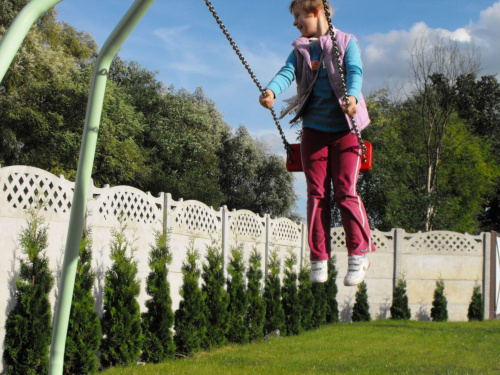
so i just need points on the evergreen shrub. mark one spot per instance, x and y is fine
(476, 307)
(306, 299)
(400, 309)
(331, 290)
(275, 316)
(290, 296)
(361, 309)
(238, 302)
(439, 310)
(256, 314)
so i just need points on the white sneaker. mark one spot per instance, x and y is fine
(358, 265)
(319, 271)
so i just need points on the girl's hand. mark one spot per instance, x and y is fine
(352, 109)
(267, 101)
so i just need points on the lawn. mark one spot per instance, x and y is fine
(378, 347)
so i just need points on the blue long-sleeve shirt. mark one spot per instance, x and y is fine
(323, 111)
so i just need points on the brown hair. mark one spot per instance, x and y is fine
(310, 5)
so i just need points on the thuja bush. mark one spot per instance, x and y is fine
(121, 321)
(439, 310)
(28, 327)
(400, 309)
(275, 316)
(332, 307)
(216, 298)
(476, 307)
(306, 299)
(158, 320)
(290, 296)
(256, 314)
(190, 321)
(84, 327)
(319, 307)
(238, 303)
(361, 309)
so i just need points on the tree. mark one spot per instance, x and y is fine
(121, 321)
(435, 65)
(290, 296)
(320, 304)
(190, 320)
(275, 316)
(256, 314)
(332, 307)
(28, 327)
(158, 320)
(399, 307)
(216, 298)
(306, 299)
(238, 299)
(361, 309)
(476, 307)
(439, 310)
(84, 328)
(252, 179)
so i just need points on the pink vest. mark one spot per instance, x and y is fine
(304, 73)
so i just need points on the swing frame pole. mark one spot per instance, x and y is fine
(15, 35)
(83, 178)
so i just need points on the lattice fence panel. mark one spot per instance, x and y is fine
(444, 242)
(31, 186)
(383, 241)
(195, 217)
(131, 205)
(286, 230)
(246, 223)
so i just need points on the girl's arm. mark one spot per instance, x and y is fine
(281, 81)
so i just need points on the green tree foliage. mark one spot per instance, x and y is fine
(399, 307)
(190, 320)
(28, 327)
(253, 179)
(306, 299)
(121, 321)
(256, 314)
(275, 316)
(151, 137)
(320, 304)
(439, 310)
(84, 328)
(361, 309)
(238, 299)
(216, 298)
(476, 307)
(290, 296)
(332, 306)
(158, 320)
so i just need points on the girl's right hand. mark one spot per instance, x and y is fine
(267, 100)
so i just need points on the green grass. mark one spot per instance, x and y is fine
(379, 347)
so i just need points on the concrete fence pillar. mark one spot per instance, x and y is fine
(398, 251)
(268, 244)
(225, 238)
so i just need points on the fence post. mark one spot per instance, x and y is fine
(303, 246)
(167, 202)
(268, 243)
(398, 250)
(486, 274)
(225, 237)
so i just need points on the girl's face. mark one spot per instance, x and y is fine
(306, 22)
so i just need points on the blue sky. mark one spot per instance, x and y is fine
(181, 41)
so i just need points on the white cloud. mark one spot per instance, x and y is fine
(385, 59)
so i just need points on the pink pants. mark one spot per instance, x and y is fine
(334, 157)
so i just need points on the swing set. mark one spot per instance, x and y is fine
(9, 46)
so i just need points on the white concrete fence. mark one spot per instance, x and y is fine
(461, 260)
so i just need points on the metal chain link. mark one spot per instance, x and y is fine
(288, 148)
(342, 75)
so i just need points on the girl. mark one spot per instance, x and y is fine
(330, 150)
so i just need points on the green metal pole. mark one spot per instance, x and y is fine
(83, 176)
(14, 37)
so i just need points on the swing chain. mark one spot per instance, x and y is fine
(288, 148)
(342, 75)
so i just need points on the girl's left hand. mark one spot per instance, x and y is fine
(352, 109)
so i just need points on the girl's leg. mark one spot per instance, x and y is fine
(314, 152)
(345, 161)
